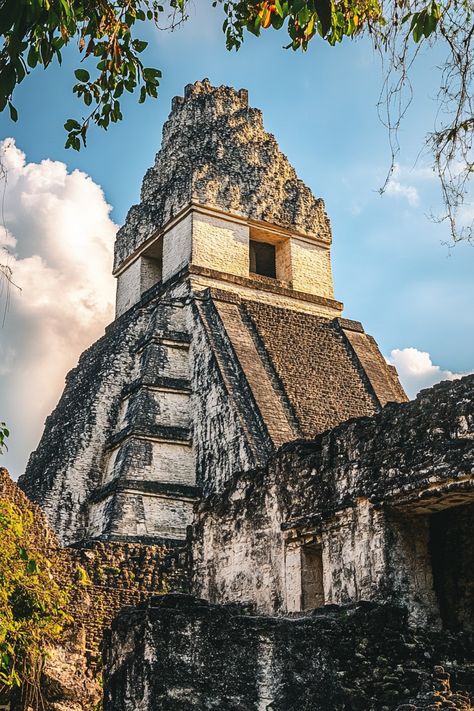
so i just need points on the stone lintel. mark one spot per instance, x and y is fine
(150, 488)
(155, 433)
(171, 338)
(137, 540)
(179, 385)
(235, 218)
(259, 284)
(442, 495)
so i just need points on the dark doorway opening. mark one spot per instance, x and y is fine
(262, 259)
(152, 265)
(452, 556)
(312, 585)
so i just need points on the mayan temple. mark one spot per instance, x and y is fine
(228, 340)
(249, 512)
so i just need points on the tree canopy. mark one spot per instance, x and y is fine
(32, 604)
(107, 34)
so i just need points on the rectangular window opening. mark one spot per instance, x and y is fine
(152, 265)
(262, 259)
(312, 584)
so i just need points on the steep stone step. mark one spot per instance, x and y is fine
(382, 377)
(268, 400)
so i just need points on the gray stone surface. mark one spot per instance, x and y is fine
(210, 369)
(179, 653)
(216, 152)
(385, 500)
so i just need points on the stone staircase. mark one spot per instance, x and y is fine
(148, 488)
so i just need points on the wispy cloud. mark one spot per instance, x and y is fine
(396, 187)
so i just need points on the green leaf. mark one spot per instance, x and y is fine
(66, 7)
(71, 125)
(151, 73)
(418, 28)
(279, 8)
(277, 21)
(7, 80)
(429, 25)
(304, 16)
(82, 75)
(6, 660)
(32, 58)
(139, 45)
(32, 566)
(324, 10)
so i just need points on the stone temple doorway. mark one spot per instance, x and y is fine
(452, 559)
(431, 560)
(304, 576)
(312, 586)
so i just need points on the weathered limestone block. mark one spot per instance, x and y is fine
(248, 175)
(179, 653)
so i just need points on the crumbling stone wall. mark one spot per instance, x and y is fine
(180, 653)
(249, 175)
(101, 579)
(367, 493)
(67, 466)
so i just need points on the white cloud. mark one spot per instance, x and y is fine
(417, 371)
(59, 238)
(395, 187)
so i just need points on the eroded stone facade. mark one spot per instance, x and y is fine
(345, 565)
(216, 152)
(375, 509)
(181, 653)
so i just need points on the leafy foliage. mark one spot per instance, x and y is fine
(409, 27)
(32, 604)
(34, 33)
(331, 20)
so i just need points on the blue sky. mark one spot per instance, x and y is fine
(392, 267)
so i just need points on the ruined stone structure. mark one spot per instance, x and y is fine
(100, 579)
(347, 568)
(228, 341)
(189, 655)
(238, 437)
(377, 508)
